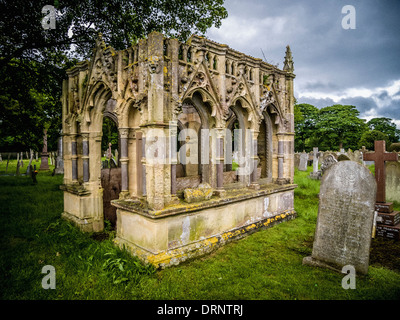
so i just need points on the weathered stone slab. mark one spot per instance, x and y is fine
(303, 161)
(328, 161)
(392, 181)
(391, 218)
(345, 218)
(388, 232)
(296, 160)
(384, 207)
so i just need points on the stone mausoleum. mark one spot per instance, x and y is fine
(195, 118)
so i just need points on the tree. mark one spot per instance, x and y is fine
(368, 138)
(386, 126)
(339, 126)
(33, 60)
(306, 118)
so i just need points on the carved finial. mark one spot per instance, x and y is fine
(99, 41)
(288, 63)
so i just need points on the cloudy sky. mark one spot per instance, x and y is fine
(333, 65)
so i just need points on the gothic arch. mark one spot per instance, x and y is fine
(252, 116)
(265, 145)
(206, 98)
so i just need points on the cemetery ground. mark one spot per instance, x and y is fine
(263, 265)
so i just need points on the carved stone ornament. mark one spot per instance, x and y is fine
(266, 99)
(154, 65)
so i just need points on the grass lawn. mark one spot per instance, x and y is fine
(264, 265)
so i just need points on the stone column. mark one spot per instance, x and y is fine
(140, 168)
(220, 162)
(59, 160)
(173, 132)
(123, 134)
(254, 158)
(280, 179)
(74, 158)
(85, 156)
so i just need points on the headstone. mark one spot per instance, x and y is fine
(393, 181)
(380, 156)
(8, 161)
(327, 163)
(388, 225)
(303, 161)
(345, 218)
(29, 167)
(357, 157)
(44, 161)
(315, 174)
(17, 171)
(296, 160)
(343, 157)
(21, 159)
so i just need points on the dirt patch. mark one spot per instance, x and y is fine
(100, 236)
(385, 253)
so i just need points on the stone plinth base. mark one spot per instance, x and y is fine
(44, 162)
(183, 231)
(390, 219)
(84, 207)
(316, 175)
(388, 232)
(310, 261)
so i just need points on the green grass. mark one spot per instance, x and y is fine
(264, 265)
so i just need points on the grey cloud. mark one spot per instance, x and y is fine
(327, 58)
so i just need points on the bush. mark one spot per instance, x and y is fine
(368, 138)
(342, 157)
(395, 147)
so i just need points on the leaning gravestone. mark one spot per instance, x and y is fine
(327, 163)
(303, 161)
(345, 218)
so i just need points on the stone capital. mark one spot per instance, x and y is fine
(123, 133)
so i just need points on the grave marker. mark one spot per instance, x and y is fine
(316, 174)
(44, 162)
(380, 156)
(345, 218)
(303, 161)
